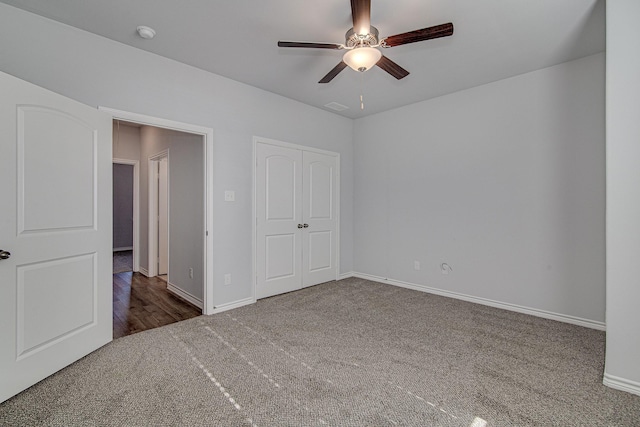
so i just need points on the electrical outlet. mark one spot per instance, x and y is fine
(227, 279)
(229, 196)
(190, 273)
(416, 265)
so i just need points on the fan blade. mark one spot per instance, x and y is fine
(392, 68)
(310, 45)
(443, 30)
(331, 74)
(361, 14)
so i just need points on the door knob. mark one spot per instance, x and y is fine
(299, 225)
(4, 254)
(306, 225)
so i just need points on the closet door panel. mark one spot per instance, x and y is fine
(319, 238)
(279, 211)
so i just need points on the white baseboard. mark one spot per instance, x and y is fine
(622, 384)
(144, 271)
(124, 248)
(234, 304)
(184, 295)
(345, 275)
(484, 301)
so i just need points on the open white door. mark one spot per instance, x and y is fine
(55, 287)
(163, 216)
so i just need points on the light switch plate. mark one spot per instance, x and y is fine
(229, 196)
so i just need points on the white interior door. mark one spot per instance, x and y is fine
(279, 212)
(320, 219)
(297, 218)
(55, 288)
(163, 216)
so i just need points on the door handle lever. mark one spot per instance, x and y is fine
(300, 225)
(4, 254)
(306, 225)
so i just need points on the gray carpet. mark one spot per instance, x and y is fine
(349, 353)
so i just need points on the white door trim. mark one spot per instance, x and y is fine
(254, 235)
(261, 140)
(153, 211)
(207, 134)
(136, 208)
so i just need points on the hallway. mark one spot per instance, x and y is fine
(141, 303)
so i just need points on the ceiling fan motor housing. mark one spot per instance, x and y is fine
(353, 39)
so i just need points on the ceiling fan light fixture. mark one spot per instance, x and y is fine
(362, 58)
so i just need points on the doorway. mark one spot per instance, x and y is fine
(126, 188)
(201, 271)
(171, 276)
(158, 220)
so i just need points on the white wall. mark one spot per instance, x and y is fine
(97, 71)
(504, 182)
(623, 196)
(186, 204)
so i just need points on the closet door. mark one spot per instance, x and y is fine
(320, 218)
(279, 213)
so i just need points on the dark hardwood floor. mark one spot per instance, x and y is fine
(141, 303)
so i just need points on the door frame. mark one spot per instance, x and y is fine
(254, 233)
(207, 135)
(154, 213)
(136, 208)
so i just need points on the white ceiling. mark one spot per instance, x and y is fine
(493, 40)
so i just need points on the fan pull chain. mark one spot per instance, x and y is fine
(361, 90)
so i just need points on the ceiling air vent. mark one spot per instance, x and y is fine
(336, 107)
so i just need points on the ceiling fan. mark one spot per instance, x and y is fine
(362, 43)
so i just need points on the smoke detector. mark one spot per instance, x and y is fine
(146, 32)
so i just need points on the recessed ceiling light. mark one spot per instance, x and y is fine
(146, 32)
